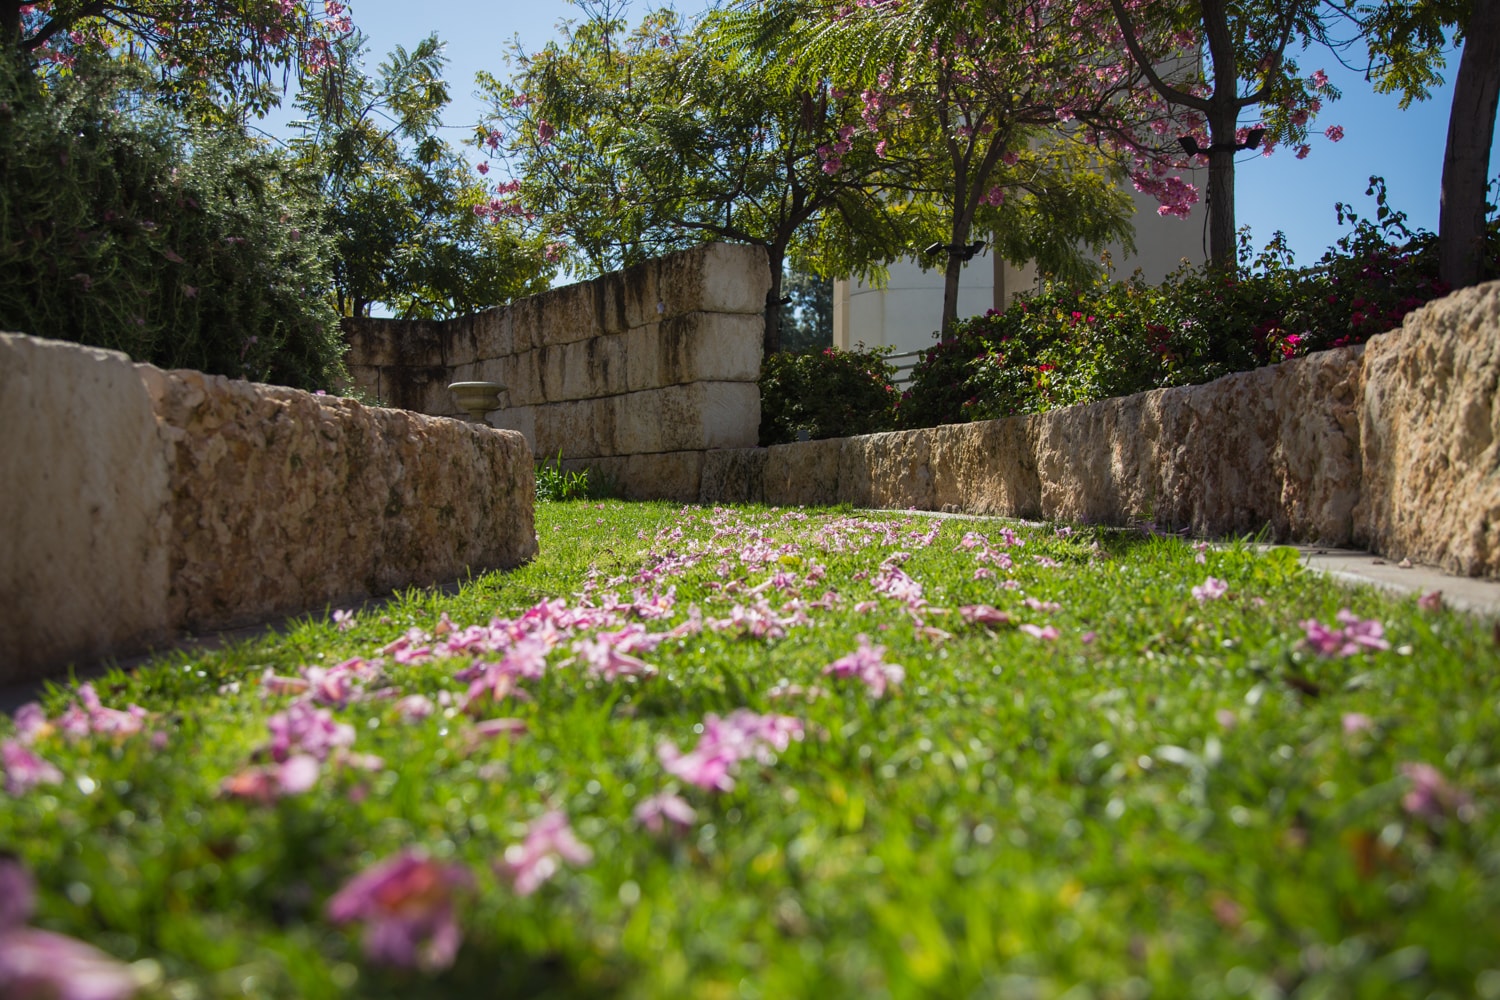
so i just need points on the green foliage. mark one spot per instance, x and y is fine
(554, 484)
(404, 210)
(824, 394)
(806, 312)
(183, 245)
(1068, 345)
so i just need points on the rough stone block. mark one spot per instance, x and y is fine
(665, 476)
(734, 475)
(1430, 436)
(83, 501)
(717, 277)
(609, 303)
(283, 501)
(637, 421)
(890, 470)
(567, 315)
(988, 467)
(642, 294)
(642, 357)
(805, 473)
(709, 347)
(521, 419)
(593, 368)
(709, 415)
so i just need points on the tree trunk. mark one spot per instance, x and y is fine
(1221, 222)
(1471, 129)
(776, 257)
(10, 24)
(950, 291)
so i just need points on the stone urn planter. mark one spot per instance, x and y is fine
(477, 399)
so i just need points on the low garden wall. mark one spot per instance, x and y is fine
(635, 374)
(139, 503)
(1394, 446)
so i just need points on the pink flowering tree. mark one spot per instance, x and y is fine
(623, 144)
(1021, 114)
(225, 53)
(1246, 51)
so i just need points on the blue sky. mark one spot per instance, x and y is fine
(1277, 192)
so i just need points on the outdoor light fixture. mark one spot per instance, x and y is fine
(1252, 140)
(954, 249)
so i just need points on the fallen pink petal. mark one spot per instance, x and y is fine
(406, 904)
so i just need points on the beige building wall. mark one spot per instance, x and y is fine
(905, 314)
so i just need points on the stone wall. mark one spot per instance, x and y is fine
(1394, 446)
(638, 372)
(138, 504)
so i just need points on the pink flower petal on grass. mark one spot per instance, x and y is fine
(867, 663)
(983, 614)
(41, 965)
(659, 811)
(1046, 633)
(549, 841)
(1210, 590)
(25, 770)
(405, 903)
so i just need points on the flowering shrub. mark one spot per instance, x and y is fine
(1065, 345)
(824, 394)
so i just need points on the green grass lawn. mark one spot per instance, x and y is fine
(1069, 773)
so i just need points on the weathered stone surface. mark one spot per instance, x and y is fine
(718, 277)
(1430, 436)
(987, 467)
(804, 473)
(83, 505)
(734, 475)
(674, 475)
(282, 500)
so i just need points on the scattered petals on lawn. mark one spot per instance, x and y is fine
(665, 810)
(549, 841)
(1047, 633)
(1431, 795)
(1210, 589)
(725, 742)
(867, 664)
(24, 769)
(41, 965)
(406, 904)
(1356, 636)
(90, 716)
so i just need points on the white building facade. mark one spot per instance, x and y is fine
(906, 313)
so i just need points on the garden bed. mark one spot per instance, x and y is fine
(741, 751)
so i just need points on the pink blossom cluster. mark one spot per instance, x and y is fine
(40, 964)
(725, 742)
(1356, 635)
(549, 841)
(405, 904)
(868, 665)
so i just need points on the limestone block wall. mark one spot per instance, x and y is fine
(137, 504)
(1394, 446)
(643, 369)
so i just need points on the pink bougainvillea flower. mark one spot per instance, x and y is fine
(983, 614)
(494, 728)
(415, 707)
(406, 906)
(1201, 548)
(24, 770)
(1210, 590)
(304, 728)
(665, 810)
(1356, 722)
(1431, 796)
(1046, 633)
(40, 965)
(1045, 607)
(273, 683)
(91, 716)
(725, 742)
(344, 619)
(293, 776)
(549, 841)
(867, 664)
(31, 722)
(605, 659)
(1356, 636)
(1431, 601)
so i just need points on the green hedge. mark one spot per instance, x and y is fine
(181, 245)
(826, 393)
